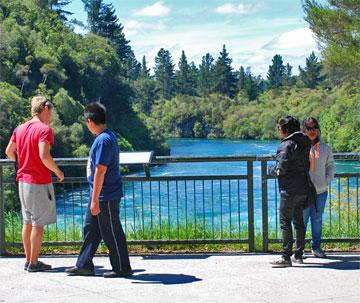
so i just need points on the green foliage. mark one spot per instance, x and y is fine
(224, 78)
(40, 54)
(341, 121)
(219, 116)
(69, 109)
(311, 74)
(164, 74)
(277, 72)
(337, 27)
(185, 83)
(14, 110)
(206, 77)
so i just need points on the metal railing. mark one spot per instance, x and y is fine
(184, 209)
(341, 215)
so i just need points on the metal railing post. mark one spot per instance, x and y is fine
(250, 193)
(2, 215)
(264, 205)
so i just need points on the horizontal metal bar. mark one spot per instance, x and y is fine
(140, 242)
(180, 178)
(176, 159)
(339, 175)
(326, 240)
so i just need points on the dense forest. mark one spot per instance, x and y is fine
(41, 54)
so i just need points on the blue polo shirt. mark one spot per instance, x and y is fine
(105, 151)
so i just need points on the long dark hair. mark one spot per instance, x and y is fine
(311, 120)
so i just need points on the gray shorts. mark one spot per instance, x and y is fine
(38, 204)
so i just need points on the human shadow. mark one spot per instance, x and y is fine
(164, 279)
(176, 256)
(341, 263)
(62, 269)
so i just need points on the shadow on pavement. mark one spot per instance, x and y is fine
(341, 263)
(165, 279)
(62, 269)
(175, 257)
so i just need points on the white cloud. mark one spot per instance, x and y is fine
(158, 9)
(251, 45)
(296, 40)
(134, 27)
(237, 9)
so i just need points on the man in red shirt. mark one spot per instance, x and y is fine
(30, 146)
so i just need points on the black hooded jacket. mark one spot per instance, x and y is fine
(292, 164)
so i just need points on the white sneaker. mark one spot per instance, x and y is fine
(318, 253)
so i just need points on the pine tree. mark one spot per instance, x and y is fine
(242, 78)
(92, 8)
(103, 21)
(311, 74)
(225, 81)
(251, 84)
(144, 71)
(288, 78)
(336, 26)
(205, 79)
(164, 74)
(193, 78)
(276, 73)
(182, 76)
(145, 89)
(57, 6)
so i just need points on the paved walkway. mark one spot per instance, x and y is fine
(188, 278)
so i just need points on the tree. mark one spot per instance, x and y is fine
(250, 85)
(182, 77)
(193, 78)
(13, 110)
(164, 74)
(144, 71)
(92, 8)
(276, 72)
(103, 21)
(311, 74)
(224, 78)
(288, 78)
(242, 78)
(145, 89)
(57, 6)
(337, 27)
(205, 79)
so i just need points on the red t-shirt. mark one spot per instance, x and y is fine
(27, 137)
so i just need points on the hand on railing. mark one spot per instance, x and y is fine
(273, 171)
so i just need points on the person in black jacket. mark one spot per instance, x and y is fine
(292, 168)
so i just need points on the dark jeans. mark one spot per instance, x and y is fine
(291, 210)
(106, 225)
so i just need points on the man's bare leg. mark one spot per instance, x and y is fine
(26, 234)
(36, 241)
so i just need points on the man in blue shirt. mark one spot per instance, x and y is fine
(102, 217)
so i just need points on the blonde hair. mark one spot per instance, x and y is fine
(38, 104)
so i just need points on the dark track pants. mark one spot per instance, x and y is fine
(291, 210)
(106, 225)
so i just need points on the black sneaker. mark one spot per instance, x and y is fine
(118, 274)
(26, 265)
(76, 271)
(281, 263)
(297, 260)
(39, 266)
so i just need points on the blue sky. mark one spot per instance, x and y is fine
(253, 31)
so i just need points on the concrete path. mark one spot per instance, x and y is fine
(188, 278)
